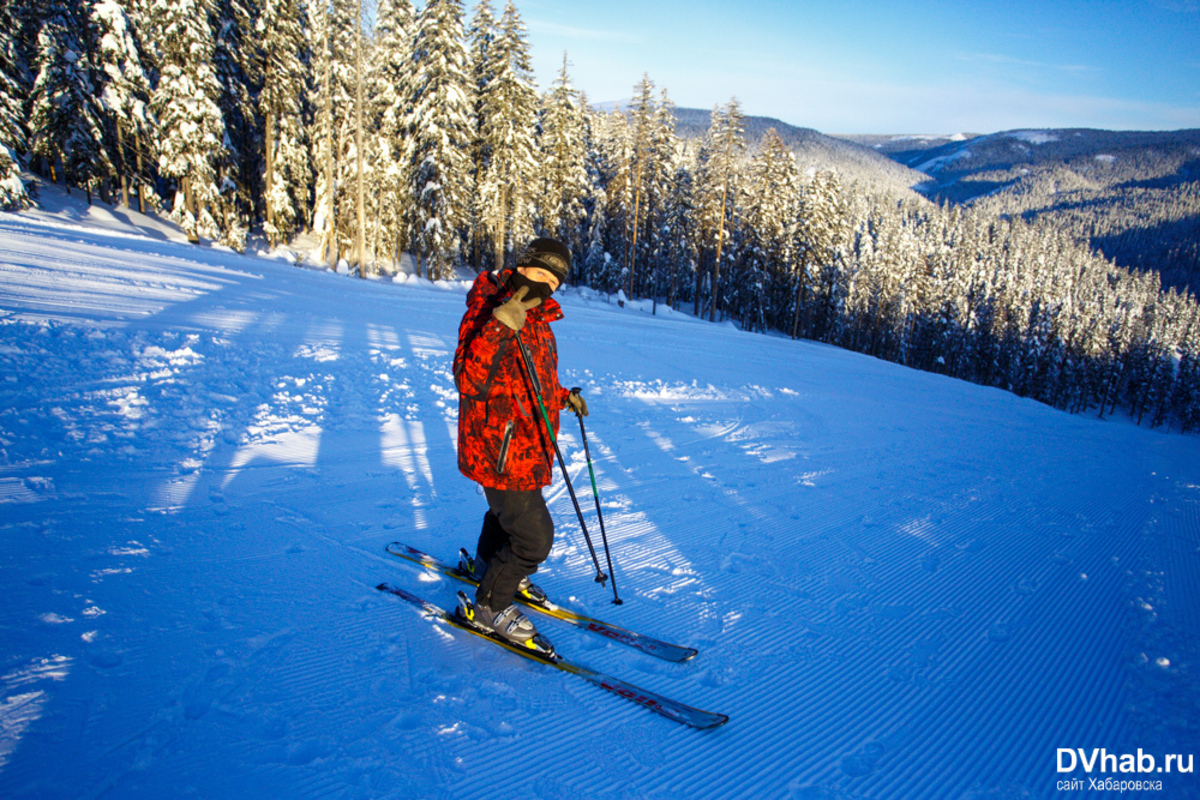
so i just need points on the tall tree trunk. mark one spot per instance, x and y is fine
(502, 228)
(637, 201)
(358, 145)
(716, 287)
(716, 282)
(477, 224)
(141, 172)
(269, 177)
(189, 203)
(122, 168)
(800, 285)
(329, 244)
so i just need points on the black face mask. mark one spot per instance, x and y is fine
(536, 288)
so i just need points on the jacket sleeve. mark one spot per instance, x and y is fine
(482, 343)
(481, 350)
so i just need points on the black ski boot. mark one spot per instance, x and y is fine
(474, 567)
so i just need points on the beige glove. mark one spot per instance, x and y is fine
(576, 403)
(512, 313)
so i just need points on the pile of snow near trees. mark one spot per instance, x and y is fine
(404, 132)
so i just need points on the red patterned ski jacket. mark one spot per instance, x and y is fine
(502, 439)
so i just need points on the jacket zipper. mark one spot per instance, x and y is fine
(503, 457)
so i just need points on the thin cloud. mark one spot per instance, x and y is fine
(1182, 6)
(584, 34)
(993, 58)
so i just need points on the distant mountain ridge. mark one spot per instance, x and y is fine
(896, 143)
(815, 150)
(853, 161)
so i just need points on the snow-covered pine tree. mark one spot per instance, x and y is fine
(143, 151)
(508, 112)
(859, 300)
(441, 132)
(480, 35)
(680, 233)
(883, 272)
(596, 261)
(322, 131)
(609, 163)
(67, 121)
(659, 180)
(125, 93)
(641, 124)
(717, 182)
(392, 96)
(13, 136)
(561, 202)
(335, 32)
(286, 166)
(1153, 397)
(237, 64)
(1184, 402)
(818, 232)
(191, 130)
(770, 209)
(361, 59)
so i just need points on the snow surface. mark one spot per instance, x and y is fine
(935, 164)
(1034, 137)
(902, 586)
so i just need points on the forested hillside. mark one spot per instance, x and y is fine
(1133, 196)
(424, 133)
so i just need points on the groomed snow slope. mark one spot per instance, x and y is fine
(902, 586)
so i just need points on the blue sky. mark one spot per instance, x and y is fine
(868, 66)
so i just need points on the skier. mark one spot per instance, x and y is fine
(503, 443)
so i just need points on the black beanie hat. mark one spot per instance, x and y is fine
(549, 254)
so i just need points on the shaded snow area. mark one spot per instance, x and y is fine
(901, 586)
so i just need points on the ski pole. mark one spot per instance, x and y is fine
(596, 494)
(527, 360)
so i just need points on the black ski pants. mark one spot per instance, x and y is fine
(516, 537)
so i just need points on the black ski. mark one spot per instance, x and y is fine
(670, 709)
(647, 644)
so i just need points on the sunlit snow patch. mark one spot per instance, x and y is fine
(1034, 137)
(15, 490)
(19, 711)
(289, 447)
(404, 447)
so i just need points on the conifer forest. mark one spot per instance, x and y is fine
(379, 130)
